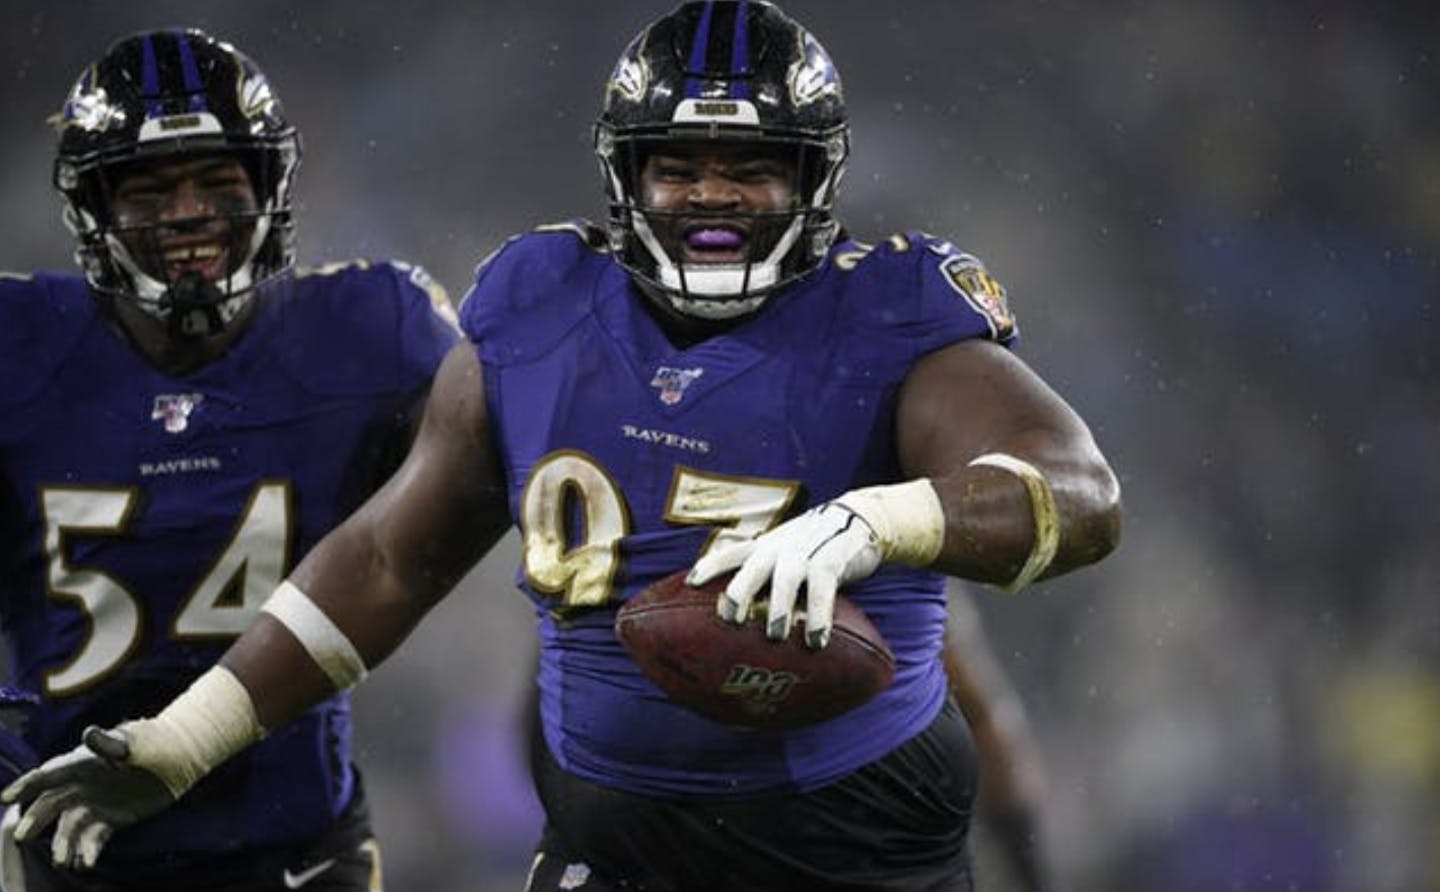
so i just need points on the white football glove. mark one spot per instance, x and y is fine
(840, 541)
(88, 793)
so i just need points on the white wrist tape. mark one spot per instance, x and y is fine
(1042, 506)
(211, 721)
(907, 518)
(320, 637)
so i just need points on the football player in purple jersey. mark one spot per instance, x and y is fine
(178, 425)
(720, 379)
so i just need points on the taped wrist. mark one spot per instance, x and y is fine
(211, 721)
(320, 637)
(907, 518)
(1046, 516)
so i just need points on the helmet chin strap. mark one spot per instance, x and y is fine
(194, 307)
(191, 306)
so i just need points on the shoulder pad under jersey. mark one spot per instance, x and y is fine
(42, 317)
(535, 288)
(363, 326)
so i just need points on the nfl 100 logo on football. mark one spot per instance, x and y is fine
(758, 685)
(173, 410)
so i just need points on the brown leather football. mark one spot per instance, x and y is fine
(734, 674)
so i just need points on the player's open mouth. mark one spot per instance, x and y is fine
(205, 258)
(715, 244)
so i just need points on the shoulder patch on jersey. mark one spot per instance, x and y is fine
(967, 275)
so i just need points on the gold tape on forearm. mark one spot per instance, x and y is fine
(1046, 515)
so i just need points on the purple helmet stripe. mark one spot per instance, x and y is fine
(698, 51)
(193, 86)
(150, 79)
(740, 54)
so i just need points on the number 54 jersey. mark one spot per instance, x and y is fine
(144, 517)
(628, 457)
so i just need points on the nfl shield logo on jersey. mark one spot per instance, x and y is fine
(672, 382)
(174, 410)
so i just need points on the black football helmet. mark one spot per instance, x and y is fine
(164, 95)
(732, 70)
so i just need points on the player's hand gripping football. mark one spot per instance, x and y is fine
(840, 541)
(823, 548)
(89, 793)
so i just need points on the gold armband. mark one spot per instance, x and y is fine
(1046, 515)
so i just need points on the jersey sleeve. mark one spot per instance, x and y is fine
(908, 296)
(42, 318)
(20, 336)
(938, 293)
(429, 326)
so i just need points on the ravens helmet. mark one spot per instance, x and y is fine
(723, 70)
(163, 96)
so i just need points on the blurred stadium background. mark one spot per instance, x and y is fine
(1219, 226)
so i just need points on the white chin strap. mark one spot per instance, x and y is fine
(710, 308)
(742, 287)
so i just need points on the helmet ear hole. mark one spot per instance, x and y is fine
(727, 72)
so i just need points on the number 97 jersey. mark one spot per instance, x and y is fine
(628, 457)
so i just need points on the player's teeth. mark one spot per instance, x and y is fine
(200, 252)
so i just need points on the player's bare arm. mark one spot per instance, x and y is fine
(1004, 484)
(975, 399)
(377, 574)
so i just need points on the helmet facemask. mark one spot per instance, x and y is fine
(781, 244)
(162, 264)
(722, 74)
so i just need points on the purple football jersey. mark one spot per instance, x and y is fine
(628, 457)
(144, 518)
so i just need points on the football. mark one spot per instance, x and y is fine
(737, 676)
